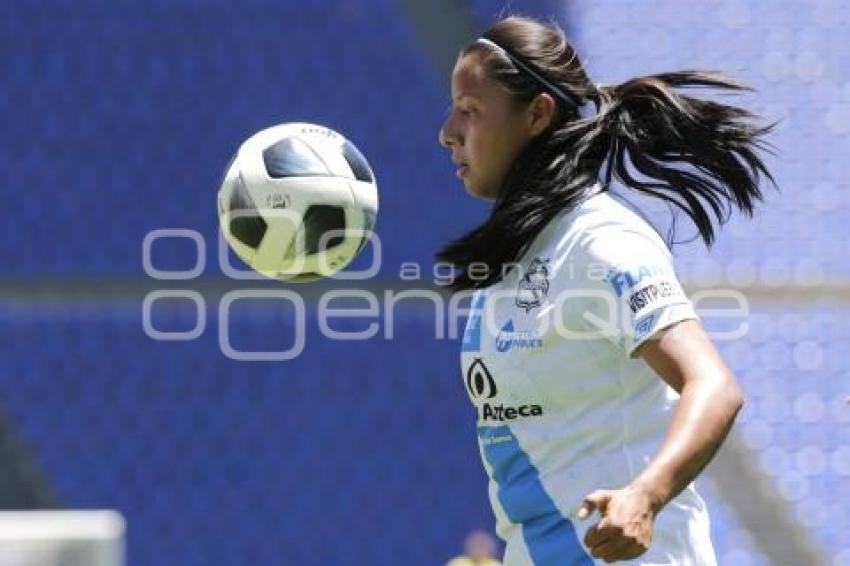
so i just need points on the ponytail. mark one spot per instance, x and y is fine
(645, 123)
(695, 154)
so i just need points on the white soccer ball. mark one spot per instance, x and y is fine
(298, 202)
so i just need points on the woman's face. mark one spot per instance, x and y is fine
(485, 130)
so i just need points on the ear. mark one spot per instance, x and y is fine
(541, 112)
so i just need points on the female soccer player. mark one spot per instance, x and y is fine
(596, 388)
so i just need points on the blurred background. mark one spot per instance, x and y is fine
(118, 118)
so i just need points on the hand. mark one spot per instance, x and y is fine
(625, 530)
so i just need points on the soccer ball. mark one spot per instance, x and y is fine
(298, 202)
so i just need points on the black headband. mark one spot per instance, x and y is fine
(528, 68)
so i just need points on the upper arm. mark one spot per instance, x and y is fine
(682, 354)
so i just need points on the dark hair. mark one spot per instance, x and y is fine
(642, 122)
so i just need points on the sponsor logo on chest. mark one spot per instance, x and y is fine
(509, 339)
(482, 386)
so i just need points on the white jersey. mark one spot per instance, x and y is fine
(563, 407)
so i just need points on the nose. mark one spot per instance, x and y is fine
(448, 134)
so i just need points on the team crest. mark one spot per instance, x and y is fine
(534, 285)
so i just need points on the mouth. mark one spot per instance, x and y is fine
(462, 167)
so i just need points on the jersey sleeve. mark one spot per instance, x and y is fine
(625, 286)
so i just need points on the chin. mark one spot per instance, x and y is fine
(477, 191)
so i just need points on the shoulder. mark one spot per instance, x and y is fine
(616, 273)
(604, 232)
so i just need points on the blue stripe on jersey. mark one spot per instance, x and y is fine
(472, 333)
(550, 538)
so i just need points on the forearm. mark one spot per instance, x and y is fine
(706, 410)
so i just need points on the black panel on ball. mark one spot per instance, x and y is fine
(292, 157)
(319, 220)
(247, 225)
(358, 163)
